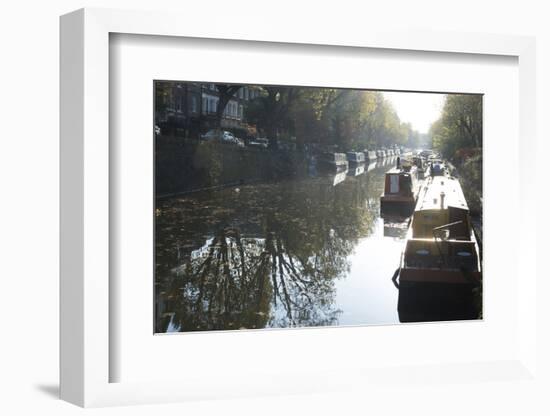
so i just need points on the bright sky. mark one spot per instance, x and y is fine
(419, 109)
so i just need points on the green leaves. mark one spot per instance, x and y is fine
(460, 125)
(349, 119)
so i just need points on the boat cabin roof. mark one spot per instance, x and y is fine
(430, 197)
(406, 169)
(393, 171)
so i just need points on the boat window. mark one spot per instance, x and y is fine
(422, 252)
(394, 184)
(406, 184)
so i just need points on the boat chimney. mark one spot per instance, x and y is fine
(442, 195)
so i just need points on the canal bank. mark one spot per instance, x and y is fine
(469, 173)
(183, 166)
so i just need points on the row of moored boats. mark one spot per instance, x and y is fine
(440, 267)
(342, 161)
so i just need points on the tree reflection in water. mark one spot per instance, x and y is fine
(272, 258)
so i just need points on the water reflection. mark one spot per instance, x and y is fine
(396, 227)
(282, 254)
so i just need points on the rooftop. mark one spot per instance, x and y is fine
(431, 193)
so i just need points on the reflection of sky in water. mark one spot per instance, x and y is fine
(314, 254)
(367, 295)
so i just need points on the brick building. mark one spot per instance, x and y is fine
(189, 108)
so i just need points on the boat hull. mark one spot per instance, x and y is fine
(392, 205)
(433, 301)
(440, 276)
(355, 158)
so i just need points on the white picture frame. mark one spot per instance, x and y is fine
(85, 355)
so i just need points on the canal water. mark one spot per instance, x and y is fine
(311, 251)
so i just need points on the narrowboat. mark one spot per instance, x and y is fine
(401, 189)
(422, 166)
(370, 155)
(355, 158)
(334, 162)
(440, 270)
(437, 168)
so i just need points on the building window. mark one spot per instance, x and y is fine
(241, 112)
(233, 109)
(194, 104)
(209, 104)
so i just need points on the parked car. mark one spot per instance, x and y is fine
(222, 136)
(259, 142)
(157, 130)
(229, 138)
(210, 135)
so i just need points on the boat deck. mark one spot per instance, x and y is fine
(441, 192)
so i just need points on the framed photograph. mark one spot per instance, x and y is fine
(271, 214)
(287, 206)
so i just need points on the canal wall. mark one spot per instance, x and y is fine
(183, 166)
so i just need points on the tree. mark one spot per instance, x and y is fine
(460, 124)
(270, 111)
(225, 93)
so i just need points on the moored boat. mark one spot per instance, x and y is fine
(422, 166)
(437, 168)
(401, 190)
(370, 155)
(333, 161)
(440, 265)
(355, 158)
